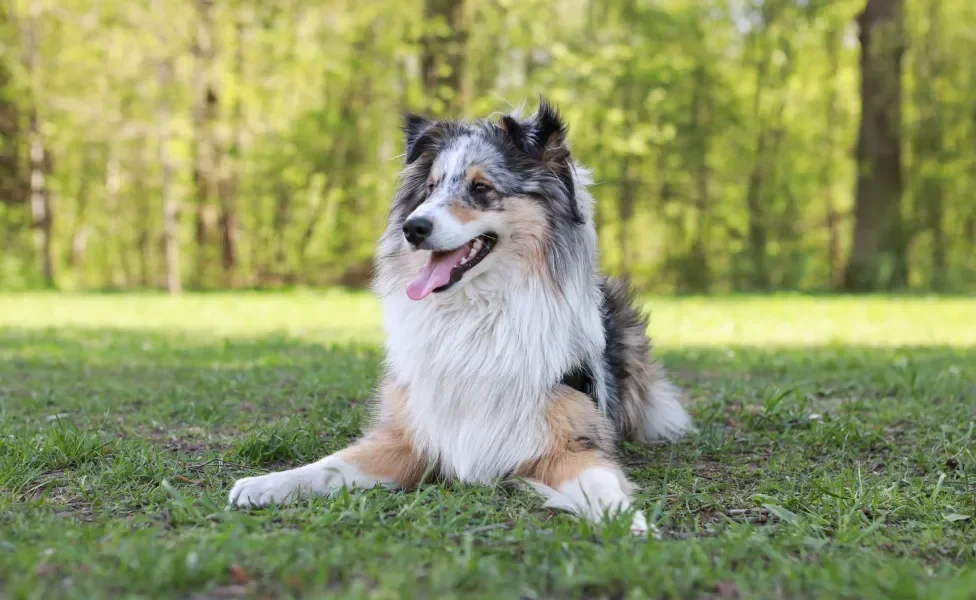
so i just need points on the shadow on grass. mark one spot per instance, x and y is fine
(181, 380)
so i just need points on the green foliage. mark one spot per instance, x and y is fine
(835, 457)
(721, 133)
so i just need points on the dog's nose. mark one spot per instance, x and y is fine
(417, 229)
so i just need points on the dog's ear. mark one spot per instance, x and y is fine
(421, 134)
(543, 136)
(534, 135)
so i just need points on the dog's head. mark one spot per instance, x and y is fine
(482, 196)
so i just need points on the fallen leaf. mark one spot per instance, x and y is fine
(238, 575)
(727, 589)
(44, 571)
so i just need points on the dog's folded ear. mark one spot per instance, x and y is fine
(543, 136)
(421, 134)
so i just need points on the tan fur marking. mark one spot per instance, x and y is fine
(435, 174)
(474, 174)
(463, 214)
(530, 232)
(579, 438)
(386, 451)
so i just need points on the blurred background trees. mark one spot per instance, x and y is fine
(738, 145)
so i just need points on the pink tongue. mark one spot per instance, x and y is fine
(436, 272)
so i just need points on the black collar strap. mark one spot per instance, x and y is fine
(581, 380)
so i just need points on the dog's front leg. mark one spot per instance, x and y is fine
(382, 457)
(592, 487)
(578, 472)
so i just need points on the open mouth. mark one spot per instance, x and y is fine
(444, 268)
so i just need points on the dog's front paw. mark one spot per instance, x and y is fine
(276, 488)
(640, 527)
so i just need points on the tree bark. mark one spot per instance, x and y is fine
(627, 192)
(231, 173)
(206, 102)
(122, 275)
(171, 207)
(80, 229)
(757, 237)
(442, 64)
(700, 277)
(929, 143)
(832, 219)
(142, 197)
(40, 197)
(878, 257)
(167, 168)
(13, 183)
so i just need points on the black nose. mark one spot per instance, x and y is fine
(417, 229)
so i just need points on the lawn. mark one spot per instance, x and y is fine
(836, 458)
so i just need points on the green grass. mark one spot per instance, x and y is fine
(835, 458)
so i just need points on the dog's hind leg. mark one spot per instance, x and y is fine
(384, 456)
(578, 472)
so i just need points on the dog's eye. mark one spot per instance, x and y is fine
(479, 187)
(430, 186)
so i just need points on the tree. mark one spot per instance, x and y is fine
(929, 146)
(716, 132)
(40, 196)
(878, 257)
(13, 183)
(443, 55)
(171, 208)
(206, 152)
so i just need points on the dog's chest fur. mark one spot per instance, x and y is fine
(478, 366)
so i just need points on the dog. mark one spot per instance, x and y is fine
(507, 353)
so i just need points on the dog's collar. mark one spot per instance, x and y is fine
(580, 379)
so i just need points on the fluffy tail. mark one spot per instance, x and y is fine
(647, 406)
(664, 416)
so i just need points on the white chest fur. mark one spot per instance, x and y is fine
(478, 364)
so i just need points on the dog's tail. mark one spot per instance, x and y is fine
(648, 407)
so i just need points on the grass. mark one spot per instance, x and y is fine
(835, 458)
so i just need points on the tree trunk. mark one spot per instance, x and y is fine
(13, 183)
(700, 277)
(757, 238)
(627, 191)
(170, 203)
(282, 218)
(171, 208)
(878, 257)
(832, 219)
(443, 57)
(929, 143)
(122, 276)
(206, 156)
(80, 230)
(40, 198)
(231, 173)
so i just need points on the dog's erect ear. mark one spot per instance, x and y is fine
(544, 130)
(420, 134)
(543, 136)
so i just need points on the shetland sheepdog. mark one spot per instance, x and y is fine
(507, 353)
